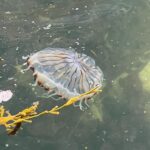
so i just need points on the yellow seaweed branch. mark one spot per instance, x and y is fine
(79, 97)
(12, 123)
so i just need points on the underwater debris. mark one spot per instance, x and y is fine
(1, 59)
(5, 95)
(12, 123)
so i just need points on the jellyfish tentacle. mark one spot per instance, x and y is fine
(86, 102)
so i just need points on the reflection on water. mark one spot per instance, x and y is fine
(116, 34)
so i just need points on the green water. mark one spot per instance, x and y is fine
(116, 33)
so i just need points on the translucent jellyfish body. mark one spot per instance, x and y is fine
(65, 72)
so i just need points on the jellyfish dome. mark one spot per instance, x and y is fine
(65, 72)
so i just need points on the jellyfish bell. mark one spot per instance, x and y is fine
(65, 72)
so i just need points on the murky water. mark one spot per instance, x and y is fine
(116, 34)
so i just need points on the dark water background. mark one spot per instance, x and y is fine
(116, 33)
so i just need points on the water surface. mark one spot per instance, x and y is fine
(116, 34)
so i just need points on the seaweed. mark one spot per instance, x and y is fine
(12, 123)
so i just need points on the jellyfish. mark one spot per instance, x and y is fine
(65, 73)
